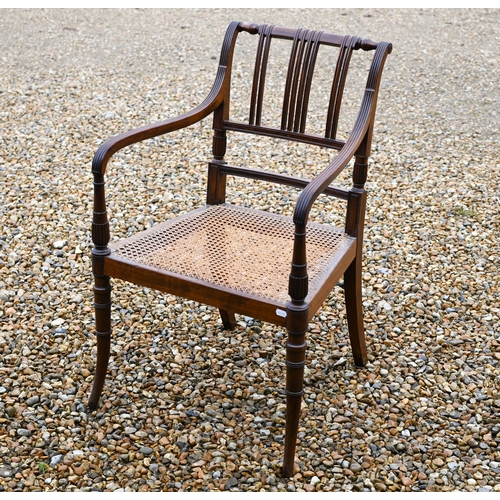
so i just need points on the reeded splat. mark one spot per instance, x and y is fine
(259, 76)
(338, 84)
(298, 82)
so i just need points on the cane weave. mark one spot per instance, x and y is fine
(234, 247)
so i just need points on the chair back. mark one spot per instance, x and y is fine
(297, 82)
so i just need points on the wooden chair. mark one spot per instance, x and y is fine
(269, 267)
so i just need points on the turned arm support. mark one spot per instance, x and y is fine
(298, 280)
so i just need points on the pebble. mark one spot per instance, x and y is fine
(11, 412)
(33, 400)
(56, 459)
(60, 243)
(355, 467)
(6, 471)
(188, 406)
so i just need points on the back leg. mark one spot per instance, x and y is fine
(354, 309)
(228, 319)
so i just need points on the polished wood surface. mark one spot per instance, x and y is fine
(305, 295)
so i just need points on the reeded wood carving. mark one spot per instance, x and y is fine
(298, 82)
(259, 78)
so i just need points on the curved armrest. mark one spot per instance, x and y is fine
(110, 147)
(298, 279)
(323, 180)
(356, 137)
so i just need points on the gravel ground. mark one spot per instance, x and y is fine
(188, 406)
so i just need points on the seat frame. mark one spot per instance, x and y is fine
(304, 303)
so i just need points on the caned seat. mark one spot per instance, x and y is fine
(230, 249)
(271, 267)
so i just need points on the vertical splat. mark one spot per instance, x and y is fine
(298, 82)
(338, 84)
(259, 76)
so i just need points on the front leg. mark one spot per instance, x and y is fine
(102, 288)
(295, 363)
(102, 304)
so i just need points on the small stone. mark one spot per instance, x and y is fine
(11, 411)
(355, 467)
(340, 362)
(78, 471)
(59, 244)
(232, 483)
(6, 471)
(385, 305)
(56, 459)
(33, 400)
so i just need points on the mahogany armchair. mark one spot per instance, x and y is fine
(270, 267)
